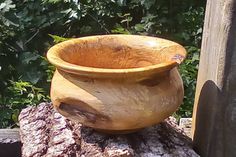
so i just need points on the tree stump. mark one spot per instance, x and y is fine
(44, 132)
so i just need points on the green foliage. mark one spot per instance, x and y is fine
(24, 39)
(188, 71)
(22, 94)
(25, 94)
(29, 28)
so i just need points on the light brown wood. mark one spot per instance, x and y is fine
(117, 82)
(214, 116)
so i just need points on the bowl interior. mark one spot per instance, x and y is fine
(120, 51)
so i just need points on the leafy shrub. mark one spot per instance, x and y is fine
(29, 28)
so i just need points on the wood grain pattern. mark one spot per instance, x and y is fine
(214, 123)
(117, 82)
(116, 56)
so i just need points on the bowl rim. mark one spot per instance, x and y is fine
(53, 58)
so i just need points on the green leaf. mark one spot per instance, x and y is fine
(6, 6)
(119, 29)
(52, 1)
(121, 2)
(15, 115)
(32, 76)
(58, 39)
(139, 27)
(148, 3)
(27, 57)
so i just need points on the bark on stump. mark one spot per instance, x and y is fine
(44, 132)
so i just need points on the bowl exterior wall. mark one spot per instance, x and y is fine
(109, 104)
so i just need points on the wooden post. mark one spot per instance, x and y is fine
(214, 117)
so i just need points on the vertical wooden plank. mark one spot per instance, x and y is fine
(214, 116)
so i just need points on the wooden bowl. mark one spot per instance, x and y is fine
(117, 83)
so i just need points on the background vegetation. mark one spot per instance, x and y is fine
(28, 28)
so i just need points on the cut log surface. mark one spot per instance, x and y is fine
(44, 132)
